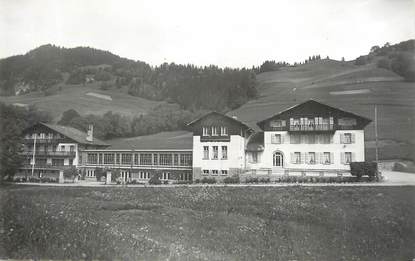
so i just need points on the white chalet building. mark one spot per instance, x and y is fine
(310, 138)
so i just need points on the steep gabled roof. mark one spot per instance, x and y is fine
(74, 134)
(312, 102)
(222, 115)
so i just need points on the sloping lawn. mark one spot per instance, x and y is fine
(209, 223)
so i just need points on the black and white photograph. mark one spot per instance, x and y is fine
(191, 130)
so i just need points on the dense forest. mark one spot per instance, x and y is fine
(165, 117)
(398, 58)
(191, 87)
(13, 120)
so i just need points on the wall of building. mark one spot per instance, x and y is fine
(336, 148)
(234, 162)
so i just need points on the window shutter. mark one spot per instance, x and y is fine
(331, 158)
(342, 157)
(292, 157)
(353, 138)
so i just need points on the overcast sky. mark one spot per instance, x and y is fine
(227, 33)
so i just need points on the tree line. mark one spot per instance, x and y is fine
(164, 117)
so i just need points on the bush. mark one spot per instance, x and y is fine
(231, 180)
(264, 180)
(383, 63)
(361, 60)
(360, 169)
(208, 181)
(154, 180)
(251, 180)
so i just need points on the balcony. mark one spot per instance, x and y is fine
(44, 140)
(46, 166)
(312, 127)
(50, 153)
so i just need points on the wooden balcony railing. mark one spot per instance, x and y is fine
(49, 153)
(312, 127)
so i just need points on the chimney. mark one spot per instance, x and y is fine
(90, 133)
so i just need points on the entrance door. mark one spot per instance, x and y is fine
(278, 160)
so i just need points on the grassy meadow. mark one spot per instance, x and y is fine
(362, 86)
(75, 97)
(208, 223)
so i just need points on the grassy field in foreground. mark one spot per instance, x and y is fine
(209, 223)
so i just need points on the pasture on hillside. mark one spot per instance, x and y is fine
(208, 223)
(79, 98)
(349, 87)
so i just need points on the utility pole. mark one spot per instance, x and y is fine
(34, 152)
(376, 134)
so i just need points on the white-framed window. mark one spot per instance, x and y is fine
(206, 152)
(215, 152)
(347, 157)
(166, 159)
(224, 131)
(327, 158)
(224, 152)
(108, 158)
(224, 172)
(311, 158)
(215, 172)
(205, 131)
(42, 135)
(92, 158)
(165, 176)
(146, 159)
(276, 139)
(126, 158)
(90, 173)
(214, 131)
(205, 172)
(347, 138)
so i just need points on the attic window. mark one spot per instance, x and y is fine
(205, 131)
(277, 123)
(223, 131)
(347, 121)
(214, 131)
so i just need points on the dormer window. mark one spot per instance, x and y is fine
(214, 131)
(223, 131)
(205, 131)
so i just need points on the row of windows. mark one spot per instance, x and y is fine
(214, 172)
(43, 136)
(345, 138)
(320, 157)
(214, 131)
(215, 152)
(165, 159)
(43, 161)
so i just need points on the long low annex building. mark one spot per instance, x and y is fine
(310, 138)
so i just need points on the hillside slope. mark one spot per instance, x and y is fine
(350, 87)
(88, 99)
